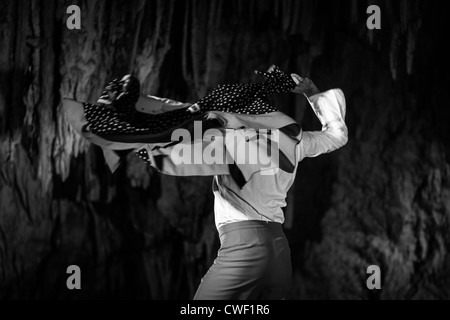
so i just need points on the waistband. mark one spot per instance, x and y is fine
(250, 224)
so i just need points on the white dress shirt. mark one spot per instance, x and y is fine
(264, 196)
(263, 193)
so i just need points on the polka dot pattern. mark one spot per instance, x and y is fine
(143, 155)
(121, 117)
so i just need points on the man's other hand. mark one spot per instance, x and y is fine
(304, 85)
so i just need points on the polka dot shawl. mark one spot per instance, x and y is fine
(121, 117)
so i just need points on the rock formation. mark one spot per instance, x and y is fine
(384, 199)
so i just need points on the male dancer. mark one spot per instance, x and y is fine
(253, 261)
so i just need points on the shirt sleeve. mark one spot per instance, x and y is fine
(330, 108)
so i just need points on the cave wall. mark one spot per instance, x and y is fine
(383, 199)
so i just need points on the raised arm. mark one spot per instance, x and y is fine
(330, 108)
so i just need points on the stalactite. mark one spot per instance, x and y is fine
(239, 9)
(287, 13)
(139, 8)
(197, 46)
(354, 11)
(296, 11)
(307, 20)
(154, 49)
(411, 46)
(404, 14)
(82, 78)
(211, 34)
(185, 53)
(250, 11)
(47, 106)
(277, 9)
(394, 52)
(414, 25)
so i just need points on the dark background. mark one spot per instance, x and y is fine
(383, 199)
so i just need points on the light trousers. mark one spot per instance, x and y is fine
(253, 262)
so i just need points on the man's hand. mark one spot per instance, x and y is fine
(304, 85)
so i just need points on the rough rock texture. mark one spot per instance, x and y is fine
(383, 199)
